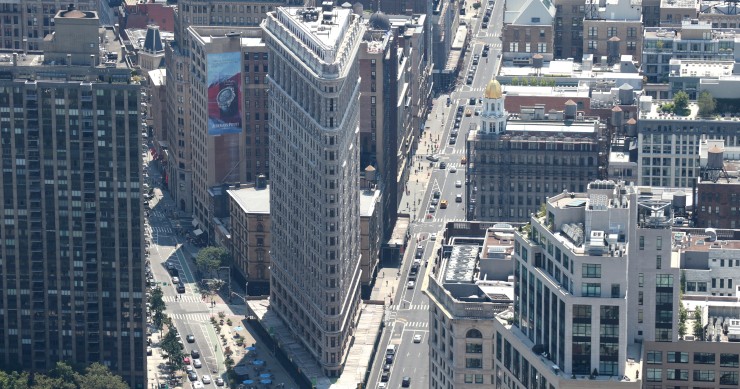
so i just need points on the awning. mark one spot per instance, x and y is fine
(195, 222)
(198, 232)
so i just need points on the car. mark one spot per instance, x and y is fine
(190, 338)
(198, 385)
(189, 369)
(197, 363)
(437, 194)
(186, 360)
(484, 25)
(434, 202)
(464, 160)
(389, 359)
(406, 382)
(149, 351)
(468, 112)
(433, 157)
(175, 280)
(431, 208)
(180, 287)
(219, 381)
(195, 353)
(443, 165)
(206, 379)
(382, 385)
(417, 338)
(386, 367)
(457, 125)
(410, 284)
(182, 345)
(384, 377)
(169, 266)
(458, 184)
(433, 237)
(469, 80)
(453, 140)
(485, 53)
(193, 376)
(458, 198)
(443, 204)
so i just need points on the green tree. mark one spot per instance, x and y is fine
(680, 102)
(157, 306)
(97, 376)
(171, 346)
(14, 380)
(698, 327)
(476, 5)
(683, 315)
(707, 104)
(211, 258)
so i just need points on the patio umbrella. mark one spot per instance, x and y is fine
(258, 362)
(247, 382)
(265, 375)
(266, 382)
(251, 348)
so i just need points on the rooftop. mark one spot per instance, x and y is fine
(252, 200)
(665, 4)
(555, 126)
(368, 201)
(655, 113)
(248, 36)
(158, 76)
(321, 29)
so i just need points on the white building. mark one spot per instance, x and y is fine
(314, 160)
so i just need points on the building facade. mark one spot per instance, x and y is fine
(515, 163)
(612, 28)
(249, 212)
(314, 195)
(73, 236)
(528, 30)
(24, 24)
(691, 364)
(568, 26)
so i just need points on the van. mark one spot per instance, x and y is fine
(390, 350)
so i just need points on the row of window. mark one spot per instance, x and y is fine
(704, 358)
(725, 377)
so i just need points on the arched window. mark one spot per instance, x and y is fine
(260, 227)
(473, 334)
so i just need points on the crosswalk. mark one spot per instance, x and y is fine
(417, 324)
(162, 230)
(159, 214)
(413, 307)
(183, 299)
(192, 317)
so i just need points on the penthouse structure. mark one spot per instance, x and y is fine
(24, 24)
(612, 28)
(314, 192)
(73, 236)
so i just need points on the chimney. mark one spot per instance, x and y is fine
(70, 7)
(92, 60)
(69, 59)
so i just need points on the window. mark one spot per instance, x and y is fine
(659, 262)
(728, 360)
(615, 291)
(678, 357)
(704, 358)
(640, 280)
(591, 270)
(474, 348)
(664, 280)
(655, 357)
(593, 32)
(677, 374)
(654, 375)
(691, 286)
(473, 363)
(611, 31)
(659, 243)
(728, 377)
(589, 289)
(473, 334)
(704, 375)
(640, 298)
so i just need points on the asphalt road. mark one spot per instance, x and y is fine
(188, 311)
(409, 313)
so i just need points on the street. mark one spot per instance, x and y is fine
(408, 314)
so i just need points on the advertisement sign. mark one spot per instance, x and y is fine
(224, 93)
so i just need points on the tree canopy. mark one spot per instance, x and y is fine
(707, 104)
(171, 346)
(63, 376)
(211, 258)
(157, 306)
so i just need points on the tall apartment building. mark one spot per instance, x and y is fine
(568, 40)
(668, 146)
(515, 162)
(314, 192)
(180, 128)
(73, 236)
(612, 28)
(24, 24)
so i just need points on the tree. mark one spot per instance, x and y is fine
(680, 102)
(211, 258)
(14, 380)
(97, 376)
(683, 315)
(698, 327)
(157, 306)
(171, 346)
(476, 5)
(707, 104)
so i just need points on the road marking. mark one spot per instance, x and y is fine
(185, 298)
(192, 317)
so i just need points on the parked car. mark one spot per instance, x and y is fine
(410, 284)
(195, 353)
(197, 363)
(384, 377)
(193, 376)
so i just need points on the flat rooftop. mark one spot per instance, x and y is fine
(368, 200)
(109, 53)
(655, 114)
(252, 200)
(619, 157)
(322, 28)
(704, 69)
(575, 127)
(559, 91)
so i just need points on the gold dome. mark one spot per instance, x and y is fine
(493, 90)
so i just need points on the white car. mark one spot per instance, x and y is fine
(206, 379)
(458, 184)
(417, 338)
(197, 364)
(433, 237)
(219, 381)
(175, 280)
(188, 368)
(198, 385)
(410, 284)
(453, 170)
(382, 385)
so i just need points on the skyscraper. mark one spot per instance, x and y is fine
(314, 162)
(71, 257)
